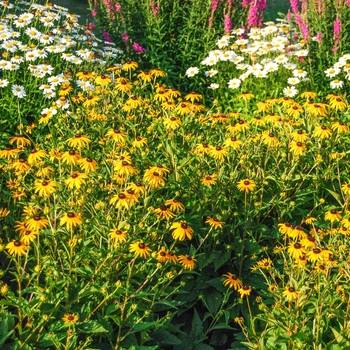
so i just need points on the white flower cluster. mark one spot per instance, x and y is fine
(259, 53)
(341, 67)
(36, 41)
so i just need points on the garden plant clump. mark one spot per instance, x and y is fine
(134, 215)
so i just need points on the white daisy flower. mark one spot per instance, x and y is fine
(223, 42)
(213, 86)
(3, 83)
(18, 91)
(336, 84)
(290, 91)
(211, 73)
(293, 81)
(299, 73)
(234, 83)
(332, 72)
(191, 72)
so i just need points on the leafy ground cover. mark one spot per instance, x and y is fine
(137, 215)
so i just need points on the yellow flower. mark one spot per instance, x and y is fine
(35, 156)
(209, 180)
(78, 141)
(44, 188)
(290, 293)
(346, 189)
(129, 65)
(17, 247)
(28, 236)
(4, 212)
(91, 101)
(20, 141)
(140, 249)
(218, 152)
(87, 164)
(296, 250)
(145, 76)
(215, 223)
(70, 157)
(232, 281)
(315, 255)
(37, 222)
(233, 142)
(299, 136)
(153, 179)
(117, 136)
(76, 180)
(156, 72)
(164, 212)
(193, 97)
(332, 215)
(244, 291)
(139, 142)
(340, 127)
(322, 132)
(181, 231)
(246, 185)
(70, 319)
(103, 80)
(9, 152)
(175, 205)
(187, 262)
(71, 220)
(172, 123)
(121, 200)
(118, 235)
(270, 139)
(297, 148)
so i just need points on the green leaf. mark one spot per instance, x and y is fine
(92, 327)
(197, 326)
(203, 347)
(338, 337)
(144, 325)
(213, 300)
(165, 338)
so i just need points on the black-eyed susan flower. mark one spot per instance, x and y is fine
(9, 152)
(315, 255)
(103, 80)
(181, 230)
(187, 261)
(340, 127)
(308, 242)
(301, 262)
(87, 164)
(232, 281)
(20, 140)
(246, 185)
(37, 222)
(28, 236)
(175, 205)
(121, 200)
(130, 65)
(70, 319)
(297, 148)
(18, 194)
(346, 189)
(78, 141)
(145, 76)
(218, 152)
(333, 215)
(21, 166)
(308, 94)
(153, 179)
(295, 110)
(270, 139)
(138, 188)
(139, 142)
(164, 212)
(245, 291)
(71, 220)
(258, 121)
(285, 228)
(161, 94)
(132, 196)
(85, 75)
(17, 247)
(209, 180)
(124, 168)
(134, 102)
(162, 255)
(263, 264)
(299, 136)
(140, 249)
(116, 135)
(44, 188)
(171, 256)
(117, 235)
(76, 180)
(233, 142)
(346, 222)
(322, 132)
(183, 108)
(296, 250)
(202, 148)
(246, 96)
(70, 157)
(123, 85)
(36, 155)
(44, 171)
(337, 103)
(297, 232)
(172, 123)
(193, 97)
(214, 222)
(157, 72)
(4, 212)
(290, 293)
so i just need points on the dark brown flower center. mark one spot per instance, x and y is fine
(74, 176)
(17, 243)
(316, 251)
(71, 152)
(291, 289)
(70, 215)
(142, 245)
(184, 225)
(246, 182)
(44, 183)
(121, 196)
(297, 246)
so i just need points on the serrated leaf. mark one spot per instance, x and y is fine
(92, 327)
(197, 326)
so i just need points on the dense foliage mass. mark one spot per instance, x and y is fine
(134, 215)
